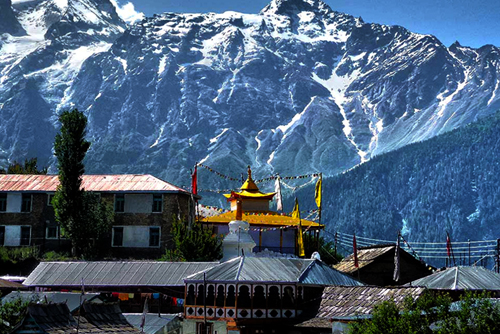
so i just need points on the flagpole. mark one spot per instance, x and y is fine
(320, 206)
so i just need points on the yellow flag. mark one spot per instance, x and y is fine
(317, 194)
(300, 241)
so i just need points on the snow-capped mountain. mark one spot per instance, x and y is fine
(294, 89)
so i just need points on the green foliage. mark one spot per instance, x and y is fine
(55, 256)
(18, 253)
(29, 167)
(83, 218)
(193, 243)
(326, 249)
(432, 314)
(11, 313)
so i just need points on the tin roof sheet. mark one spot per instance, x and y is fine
(131, 273)
(97, 183)
(71, 299)
(461, 278)
(340, 301)
(366, 256)
(4, 284)
(154, 323)
(280, 270)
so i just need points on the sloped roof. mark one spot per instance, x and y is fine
(275, 270)
(260, 218)
(108, 318)
(461, 278)
(154, 323)
(368, 255)
(341, 301)
(4, 284)
(351, 303)
(97, 183)
(101, 273)
(71, 299)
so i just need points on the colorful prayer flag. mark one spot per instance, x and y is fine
(300, 241)
(355, 248)
(279, 200)
(317, 194)
(194, 181)
(397, 265)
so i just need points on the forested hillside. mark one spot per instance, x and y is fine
(448, 183)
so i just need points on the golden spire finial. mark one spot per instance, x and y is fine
(249, 173)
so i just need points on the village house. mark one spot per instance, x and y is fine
(341, 305)
(376, 266)
(52, 318)
(144, 209)
(456, 281)
(275, 231)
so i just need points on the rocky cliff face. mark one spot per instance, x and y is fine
(296, 88)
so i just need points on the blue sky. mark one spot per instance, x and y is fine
(472, 23)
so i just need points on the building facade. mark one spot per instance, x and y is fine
(144, 209)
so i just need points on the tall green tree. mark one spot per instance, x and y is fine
(82, 216)
(193, 243)
(30, 167)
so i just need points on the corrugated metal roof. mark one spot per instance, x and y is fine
(4, 284)
(71, 299)
(339, 301)
(97, 183)
(108, 318)
(282, 270)
(461, 278)
(154, 323)
(131, 273)
(366, 256)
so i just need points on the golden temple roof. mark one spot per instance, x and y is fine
(250, 190)
(261, 218)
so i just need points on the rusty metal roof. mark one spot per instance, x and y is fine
(97, 183)
(4, 284)
(100, 273)
(275, 270)
(340, 302)
(461, 278)
(366, 256)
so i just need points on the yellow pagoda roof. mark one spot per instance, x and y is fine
(261, 218)
(245, 193)
(250, 190)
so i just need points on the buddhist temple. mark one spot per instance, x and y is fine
(271, 230)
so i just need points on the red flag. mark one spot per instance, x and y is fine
(355, 248)
(194, 181)
(448, 244)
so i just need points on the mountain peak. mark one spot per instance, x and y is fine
(287, 7)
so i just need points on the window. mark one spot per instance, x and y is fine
(117, 236)
(120, 203)
(25, 235)
(51, 232)
(3, 202)
(154, 237)
(26, 203)
(50, 198)
(201, 329)
(157, 202)
(2, 235)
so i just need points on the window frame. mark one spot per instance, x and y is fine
(113, 234)
(47, 232)
(21, 236)
(151, 228)
(49, 196)
(23, 201)
(119, 198)
(157, 198)
(2, 235)
(3, 202)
